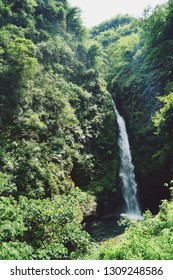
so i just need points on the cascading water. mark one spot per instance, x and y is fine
(126, 172)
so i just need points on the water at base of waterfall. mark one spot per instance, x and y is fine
(126, 172)
(106, 228)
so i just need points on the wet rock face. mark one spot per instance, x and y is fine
(109, 203)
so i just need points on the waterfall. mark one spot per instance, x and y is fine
(126, 172)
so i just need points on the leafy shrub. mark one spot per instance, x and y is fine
(51, 229)
(15, 251)
(6, 185)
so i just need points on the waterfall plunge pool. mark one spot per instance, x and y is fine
(105, 228)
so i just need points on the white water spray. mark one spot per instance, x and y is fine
(126, 172)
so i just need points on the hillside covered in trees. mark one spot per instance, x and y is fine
(59, 157)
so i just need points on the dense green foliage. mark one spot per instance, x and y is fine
(54, 104)
(54, 136)
(58, 152)
(42, 228)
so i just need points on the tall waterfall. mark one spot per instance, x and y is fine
(126, 172)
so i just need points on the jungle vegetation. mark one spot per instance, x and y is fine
(58, 144)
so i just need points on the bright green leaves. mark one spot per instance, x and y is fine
(121, 54)
(18, 12)
(38, 170)
(163, 119)
(119, 38)
(21, 48)
(6, 185)
(21, 54)
(1, 53)
(95, 55)
(27, 5)
(51, 227)
(54, 251)
(124, 47)
(154, 26)
(163, 122)
(113, 23)
(2, 62)
(33, 121)
(5, 12)
(24, 162)
(11, 220)
(74, 22)
(15, 251)
(18, 67)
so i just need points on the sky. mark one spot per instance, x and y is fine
(97, 11)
